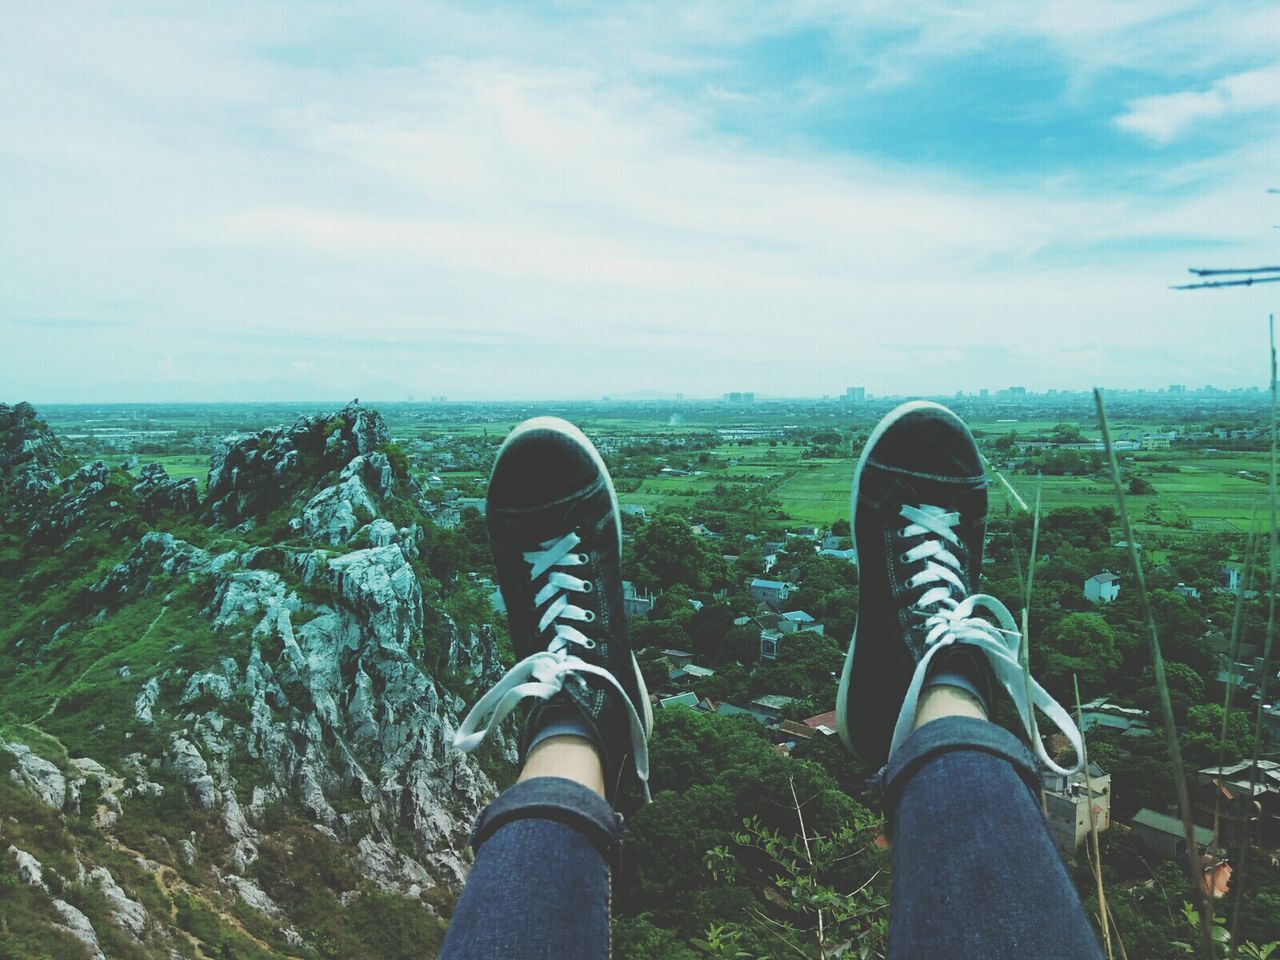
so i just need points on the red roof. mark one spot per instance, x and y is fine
(827, 719)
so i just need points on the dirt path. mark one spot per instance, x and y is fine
(170, 883)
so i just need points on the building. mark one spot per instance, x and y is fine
(1242, 795)
(772, 592)
(855, 394)
(797, 621)
(691, 670)
(635, 604)
(1102, 587)
(1164, 836)
(1067, 806)
(1183, 590)
(1158, 441)
(849, 556)
(689, 700)
(678, 658)
(768, 710)
(1106, 713)
(824, 723)
(1230, 578)
(740, 397)
(769, 640)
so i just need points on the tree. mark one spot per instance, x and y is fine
(1083, 644)
(667, 552)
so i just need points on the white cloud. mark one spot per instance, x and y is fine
(516, 207)
(1165, 118)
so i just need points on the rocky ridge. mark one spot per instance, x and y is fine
(309, 579)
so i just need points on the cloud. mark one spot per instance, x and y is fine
(1166, 117)
(447, 199)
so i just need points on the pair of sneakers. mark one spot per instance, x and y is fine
(919, 507)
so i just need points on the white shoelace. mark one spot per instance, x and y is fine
(950, 622)
(543, 674)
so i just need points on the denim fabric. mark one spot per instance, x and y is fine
(975, 873)
(540, 884)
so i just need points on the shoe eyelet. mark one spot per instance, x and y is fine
(590, 617)
(904, 559)
(587, 586)
(583, 559)
(589, 645)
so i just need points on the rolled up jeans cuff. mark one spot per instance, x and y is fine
(956, 733)
(561, 800)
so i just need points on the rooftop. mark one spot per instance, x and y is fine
(1170, 825)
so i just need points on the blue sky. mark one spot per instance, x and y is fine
(312, 201)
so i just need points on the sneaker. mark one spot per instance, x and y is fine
(919, 514)
(556, 536)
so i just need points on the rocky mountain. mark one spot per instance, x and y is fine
(226, 721)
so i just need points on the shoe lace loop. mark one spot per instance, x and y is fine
(978, 620)
(543, 674)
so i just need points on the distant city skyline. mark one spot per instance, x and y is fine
(479, 200)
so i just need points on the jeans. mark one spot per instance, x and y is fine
(975, 873)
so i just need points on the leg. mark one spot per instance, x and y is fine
(975, 873)
(540, 885)
(544, 849)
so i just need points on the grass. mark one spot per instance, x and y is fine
(182, 465)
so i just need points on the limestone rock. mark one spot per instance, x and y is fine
(157, 493)
(253, 896)
(78, 925)
(36, 775)
(145, 702)
(184, 762)
(128, 914)
(29, 868)
(335, 513)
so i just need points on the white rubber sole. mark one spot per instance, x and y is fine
(889, 419)
(567, 429)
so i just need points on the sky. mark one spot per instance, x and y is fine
(323, 200)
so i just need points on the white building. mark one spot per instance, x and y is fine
(772, 592)
(1102, 587)
(1067, 806)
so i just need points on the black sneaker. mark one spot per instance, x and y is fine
(919, 517)
(556, 536)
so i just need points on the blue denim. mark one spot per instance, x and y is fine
(540, 885)
(975, 874)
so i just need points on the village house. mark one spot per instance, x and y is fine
(1102, 587)
(635, 604)
(678, 658)
(1230, 577)
(1238, 794)
(771, 592)
(1163, 834)
(768, 710)
(797, 621)
(823, 723)
(849, 556)
(1105, 712)
(1067, 805)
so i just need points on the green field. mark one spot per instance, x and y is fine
(1204, 494)
(181, 466)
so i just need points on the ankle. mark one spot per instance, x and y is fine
(942, 700)
(569, 757)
